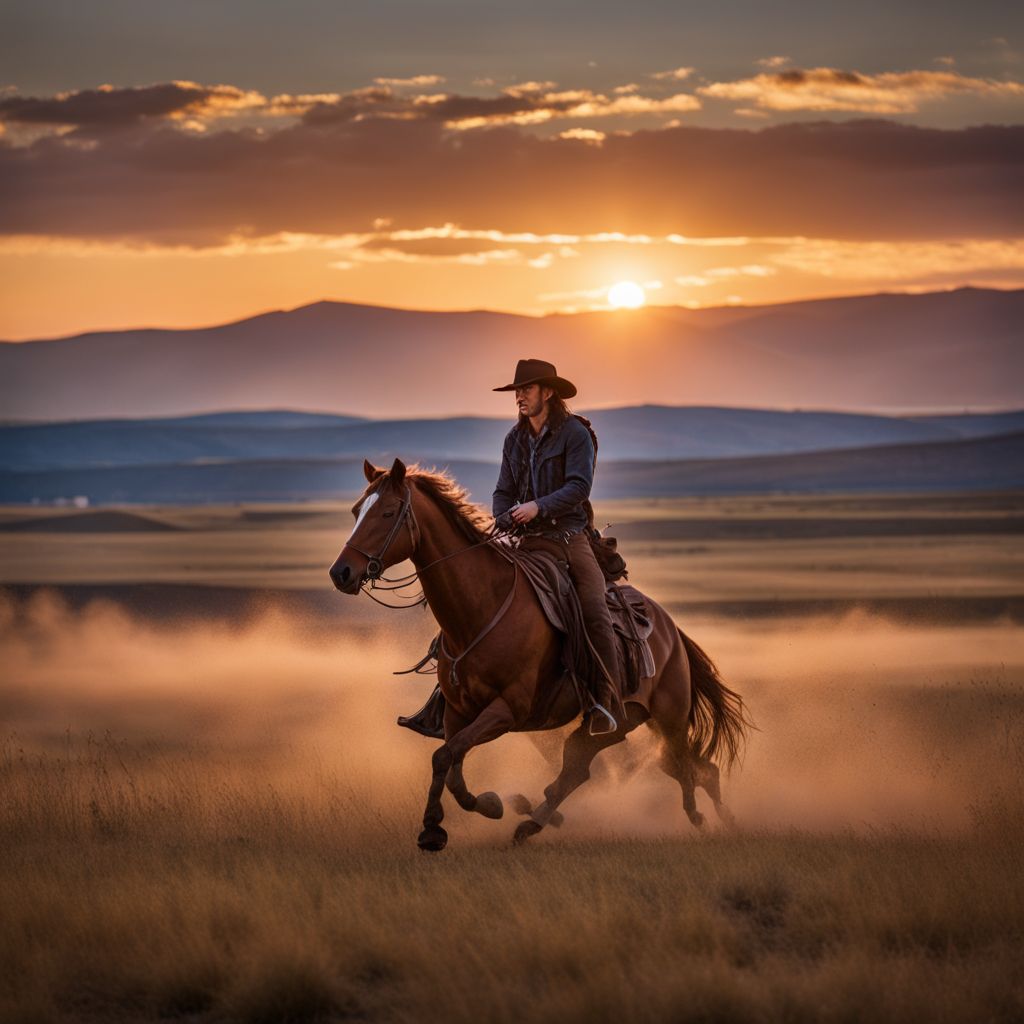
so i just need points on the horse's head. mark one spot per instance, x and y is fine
(384, 534)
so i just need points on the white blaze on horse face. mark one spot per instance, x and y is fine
(370, 501)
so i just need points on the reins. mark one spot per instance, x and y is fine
(498, 616)
(375, 569)
(375, 577)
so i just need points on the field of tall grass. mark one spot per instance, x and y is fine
(216, 822)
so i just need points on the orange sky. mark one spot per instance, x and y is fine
(58, 292)
(182, 204)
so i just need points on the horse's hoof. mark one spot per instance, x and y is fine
(433, 839)
(489, 805)
(726, 817)
(697, 819)
(525, 830)
(557, 819)
(520, 804)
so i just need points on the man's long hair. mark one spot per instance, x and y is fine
(558, 413)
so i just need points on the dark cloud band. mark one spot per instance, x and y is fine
(338, 168)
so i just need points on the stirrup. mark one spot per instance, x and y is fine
(599, 727)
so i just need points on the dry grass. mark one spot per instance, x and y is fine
(215, 821)
(227, 863)
(142, 885)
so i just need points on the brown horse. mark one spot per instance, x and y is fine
(509, 674)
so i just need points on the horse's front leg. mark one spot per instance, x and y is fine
(495, 720)
(434, 838)
(488, 804)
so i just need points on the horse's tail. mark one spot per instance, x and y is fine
(718, 716)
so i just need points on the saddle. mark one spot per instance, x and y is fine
(543, 564)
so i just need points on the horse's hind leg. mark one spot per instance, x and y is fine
(580, 749)
(678, 762)
(707, 776)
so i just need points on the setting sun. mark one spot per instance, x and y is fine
(626, 295)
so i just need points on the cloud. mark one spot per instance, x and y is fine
(913, 261)
(831, 89)
(415, 80)
(583, 134)
(529, 88)
(773, 62)
(479, 258)
(749, 270)
(193, 107)
(443, 241)
(923, 264)
(535, 103)
(526, 103)
(110, 106)
(716, 275)
(344, 161)
(287, 104)
(677, 74)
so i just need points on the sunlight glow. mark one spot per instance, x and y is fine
(626, 295)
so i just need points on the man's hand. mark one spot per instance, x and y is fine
(522, 514)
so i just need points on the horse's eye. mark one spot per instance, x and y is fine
(388, 515)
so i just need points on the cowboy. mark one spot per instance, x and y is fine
(543, 489)
(547, 471)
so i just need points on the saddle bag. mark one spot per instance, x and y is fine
(605, 549)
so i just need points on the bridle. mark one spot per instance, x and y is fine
(374, 573)
(374, 563)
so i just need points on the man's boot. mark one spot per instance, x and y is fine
(608, 710)
(429, 720)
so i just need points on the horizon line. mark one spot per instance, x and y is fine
(885, 413)
(911, 292)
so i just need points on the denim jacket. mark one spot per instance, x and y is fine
(564, 471)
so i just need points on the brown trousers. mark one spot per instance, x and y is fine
(590, 585)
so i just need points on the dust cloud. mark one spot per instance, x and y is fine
(862, 724)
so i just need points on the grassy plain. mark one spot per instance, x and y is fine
(206, 813)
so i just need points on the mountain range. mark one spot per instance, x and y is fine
(636, 433)
(950, 350)
(281, 456)
(985, 464)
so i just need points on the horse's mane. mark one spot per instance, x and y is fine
(469, 519)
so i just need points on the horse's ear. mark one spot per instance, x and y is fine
(370, 471)
(397, 471)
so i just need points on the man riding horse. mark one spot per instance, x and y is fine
(547, 471)
(505, 671)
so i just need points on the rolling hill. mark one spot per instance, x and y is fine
(946, 350)
(990, 463)
(633, 433)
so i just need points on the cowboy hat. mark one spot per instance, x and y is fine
(538, 371)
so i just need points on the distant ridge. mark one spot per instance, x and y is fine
(991, 463)
(648, 432)
(112, 521)
(937, 350)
